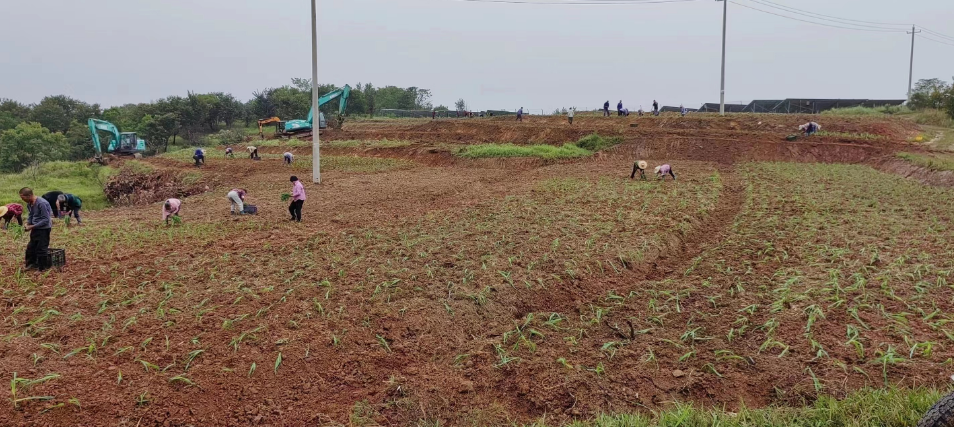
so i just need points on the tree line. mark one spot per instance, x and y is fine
(56, 127)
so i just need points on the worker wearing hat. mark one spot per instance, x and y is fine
(639, 166)
(9, 212)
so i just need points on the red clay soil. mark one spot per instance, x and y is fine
(556, 130)
(133, 299)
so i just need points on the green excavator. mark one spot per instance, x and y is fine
(299, 126)
(120, 143)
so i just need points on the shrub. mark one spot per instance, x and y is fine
(595, 142)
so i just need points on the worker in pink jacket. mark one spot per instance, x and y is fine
(297, 200)
(170, 209)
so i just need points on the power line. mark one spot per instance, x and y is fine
(826, 18)
(833, 17)
(935, 33)
(816, 23)
(936, 41)
(578, 2)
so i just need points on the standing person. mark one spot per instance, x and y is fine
(520, 114)
(170, 209)
(619, 108)
(662, 171)
(289, 157)
(199, 157)
(229, 153)
(640, 111)
(569, 114)
(655, 108)
(606, 108)
(298, 199)
(683, 110)
(237, 201)
(39, 224)
(69, 205)
(11, 211)
(50, 198)
(252, 152)
(433, 114)
(639, 166)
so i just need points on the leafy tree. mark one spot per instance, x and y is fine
(12, 113)
(157, 131)
(441, 108)
(80, 141)
(369, 98)
(263, 103)
(291, 103)
(30, 144)
(303, 85)
(357, 103)
(461, 105)
(229, 108)
(57, 112)
(930, 93)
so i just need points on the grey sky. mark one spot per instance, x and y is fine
(492, 55)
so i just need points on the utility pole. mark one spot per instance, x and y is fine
(911, 71)
(725, 12)
(316, 116)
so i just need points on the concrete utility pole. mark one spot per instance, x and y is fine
(911, 71)
(725, 12)
(316, 117)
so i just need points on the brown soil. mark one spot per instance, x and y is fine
(420, 348)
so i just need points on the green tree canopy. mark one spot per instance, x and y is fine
(30, 143)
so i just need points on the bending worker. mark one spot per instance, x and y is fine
(640, 167)
(237, 200)
(289, 157)
(69, 205)
(170, 209)
(662, 171)
(11, 211)
(252, 152)
(809, 128)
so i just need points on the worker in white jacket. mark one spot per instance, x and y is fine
(809, 128)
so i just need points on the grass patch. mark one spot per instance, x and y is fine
(384, 143)
(542, 151)
(586, 146)
(864, 408)
(868, 111)
(79, 178)
(935, 163)
(594, 142)
(931, 117)
(864, 135)
(136, 166)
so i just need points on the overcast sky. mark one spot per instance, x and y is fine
(491, 54)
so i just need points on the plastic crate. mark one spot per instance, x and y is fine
(250, 209)
(58, 257)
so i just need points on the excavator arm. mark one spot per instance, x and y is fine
(267, 121)
(102, 125)
(341, 94)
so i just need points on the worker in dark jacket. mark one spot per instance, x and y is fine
(39, 224)
(606, 109)
(69, 205)
(619, 108)
(51, 200)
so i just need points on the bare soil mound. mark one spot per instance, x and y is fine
(134, 188)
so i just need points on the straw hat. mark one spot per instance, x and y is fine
(3, 210)
(642, 164)
(657, 169)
